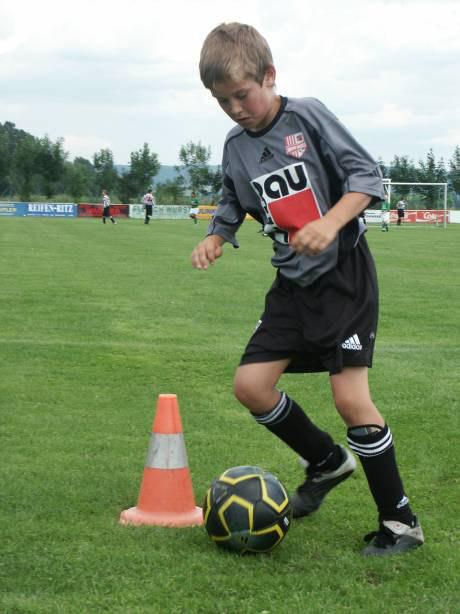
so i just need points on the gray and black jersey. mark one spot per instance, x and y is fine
(291, 173)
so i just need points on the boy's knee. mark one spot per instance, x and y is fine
(244, 390)
(251, 393)
(356, 409)
(344, 402)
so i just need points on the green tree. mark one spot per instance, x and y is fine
(171, 192)
(10, 137)
(127, 187)
(79, 178)
(215, 183)
(430, 171)
(144, 167)
(5, 163)
(195, 158)
(402, 169)
(454, 171)
(50, 162)
(106, 176)
(24, 166)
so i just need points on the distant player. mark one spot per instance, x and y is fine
(149, 202)
(385, 209)
(194, 209)
(106, 204)
(294, 167)
(400, 207)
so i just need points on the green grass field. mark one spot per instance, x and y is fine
(96, 321)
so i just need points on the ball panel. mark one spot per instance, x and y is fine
(243, 472)
(274, 493)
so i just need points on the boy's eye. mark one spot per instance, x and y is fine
(241, 95)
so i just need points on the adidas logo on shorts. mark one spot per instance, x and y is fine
(352, 343)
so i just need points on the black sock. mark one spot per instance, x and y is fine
(288, 421)
(374, 446)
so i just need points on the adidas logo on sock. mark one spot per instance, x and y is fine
(352, 343)
(266, 155)
(404, 501)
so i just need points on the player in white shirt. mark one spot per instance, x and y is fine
(149, 202)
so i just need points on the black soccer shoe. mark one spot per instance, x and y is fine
(393, 537)
(309, 495)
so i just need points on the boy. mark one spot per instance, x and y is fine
(292, 166)
(106, 208)
(149, 202)
(385, 209)
(194, 209)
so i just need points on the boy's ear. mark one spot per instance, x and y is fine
(270, 76)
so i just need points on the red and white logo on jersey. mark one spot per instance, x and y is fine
(294, 145)
(288, 198)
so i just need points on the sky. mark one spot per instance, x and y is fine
(104, 74)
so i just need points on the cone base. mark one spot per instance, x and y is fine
(136, 516)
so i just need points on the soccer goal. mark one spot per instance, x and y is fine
(421, 194)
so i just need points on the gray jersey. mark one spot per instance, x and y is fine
(292, 173)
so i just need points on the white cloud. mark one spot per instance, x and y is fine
(388, 116)
(121, 75)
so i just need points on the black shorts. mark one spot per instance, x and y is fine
(106, 212)
(327, 326)
(148, 209)
(400, 212)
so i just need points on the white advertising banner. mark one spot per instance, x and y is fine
(161, 212)
(373, 216)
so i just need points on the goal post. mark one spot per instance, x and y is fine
(388, 184)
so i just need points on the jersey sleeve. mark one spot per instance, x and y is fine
(229, 214)
(351, 162)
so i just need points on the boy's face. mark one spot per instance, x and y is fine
(246, 102)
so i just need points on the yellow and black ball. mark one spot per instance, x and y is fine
(247, 509)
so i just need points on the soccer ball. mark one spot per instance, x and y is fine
(247, 509)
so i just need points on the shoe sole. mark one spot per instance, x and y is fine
(405, 544)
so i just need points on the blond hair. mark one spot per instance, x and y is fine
(234, 51)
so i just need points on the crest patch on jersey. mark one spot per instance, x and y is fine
(288, 198)
(295, 145)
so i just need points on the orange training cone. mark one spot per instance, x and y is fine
(166, 495)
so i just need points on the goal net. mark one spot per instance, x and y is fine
(423, 202)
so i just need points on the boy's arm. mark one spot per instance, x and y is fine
(223, 226)
(316, 236)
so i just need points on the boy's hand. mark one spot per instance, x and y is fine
(207, 251)
(315, 237)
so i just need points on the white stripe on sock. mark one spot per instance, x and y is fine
(272, 416)
(372, 449)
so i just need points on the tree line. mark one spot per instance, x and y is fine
(39, 167)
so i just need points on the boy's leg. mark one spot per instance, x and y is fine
(329, 464)
(371, 439)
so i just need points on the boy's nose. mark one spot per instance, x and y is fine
(235, 108)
